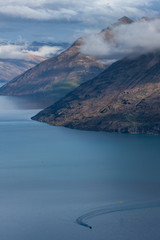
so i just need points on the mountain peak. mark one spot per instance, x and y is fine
(125, 19)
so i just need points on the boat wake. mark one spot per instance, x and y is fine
(82, 220)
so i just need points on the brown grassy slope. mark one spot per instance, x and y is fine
(124, 98)
(56, 76)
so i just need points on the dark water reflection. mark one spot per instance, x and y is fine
(20, 102)
(51, 175)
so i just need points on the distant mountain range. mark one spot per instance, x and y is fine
(35, 45)
(10, 68)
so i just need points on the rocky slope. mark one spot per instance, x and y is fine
(124, 98)
(11, 68)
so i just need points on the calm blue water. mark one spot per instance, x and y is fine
(50, 176)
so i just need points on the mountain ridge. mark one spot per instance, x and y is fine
(63, 72)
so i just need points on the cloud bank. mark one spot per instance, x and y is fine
(128, 40)
(67, 19)
(21, 51)
(73, 10)
(46, 51)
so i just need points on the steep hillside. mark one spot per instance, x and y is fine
(56, 76)
(124, 98)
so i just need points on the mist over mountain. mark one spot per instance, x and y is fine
(122, 98)
(20, 48)
(63, 73)
(18, 56)
(128, 38)
(125, 96)
(56, 76)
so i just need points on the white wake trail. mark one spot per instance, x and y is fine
(82, 220)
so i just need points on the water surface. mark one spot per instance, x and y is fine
(50, 176)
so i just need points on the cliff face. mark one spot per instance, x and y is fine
(56, 76)
(124, 98)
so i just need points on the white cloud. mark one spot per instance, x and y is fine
(13, 51)
(128, 40)
(45, 51)
(37, 14)
(95, 45)
(82, 10)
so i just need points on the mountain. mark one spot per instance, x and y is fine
(123, 20)
(59, 75)
(10, 68)
(56, 76)
(123, 98)
(126, 20)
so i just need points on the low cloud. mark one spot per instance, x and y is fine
(46, 51)
(128, 40)
(17, 51)
(12, 52)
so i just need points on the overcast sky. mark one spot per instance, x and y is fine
(65, 20)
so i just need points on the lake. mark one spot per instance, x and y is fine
(55, 182)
